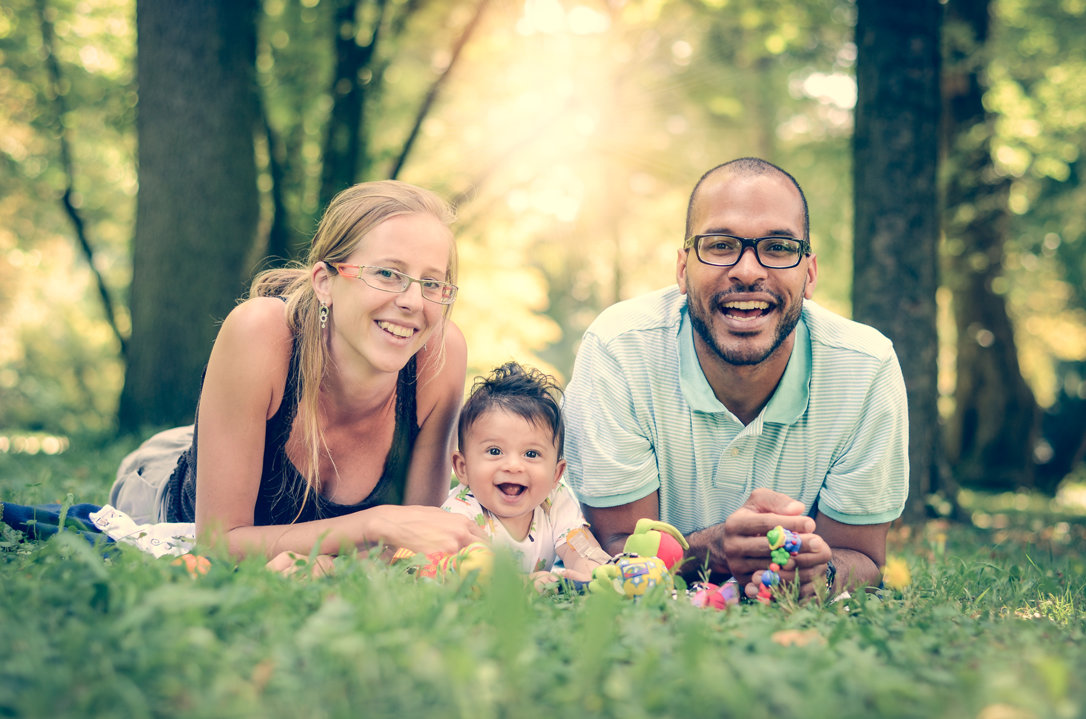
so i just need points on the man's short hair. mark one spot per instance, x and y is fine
(747, 167)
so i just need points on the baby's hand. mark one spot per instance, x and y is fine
(578, 574)
(544, 581)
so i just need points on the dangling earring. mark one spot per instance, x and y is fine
(324, 316)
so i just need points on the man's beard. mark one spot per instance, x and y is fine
(746, 354)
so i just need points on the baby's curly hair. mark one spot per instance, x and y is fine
(526, 392)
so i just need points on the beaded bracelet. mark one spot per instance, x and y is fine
(783, 543)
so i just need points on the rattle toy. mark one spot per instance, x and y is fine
(653, 538)
(631, 576)
(649, 556)
(783, 543)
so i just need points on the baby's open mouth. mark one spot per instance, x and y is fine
(511, 490)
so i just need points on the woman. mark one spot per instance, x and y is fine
(330, 396)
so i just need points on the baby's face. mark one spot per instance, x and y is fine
(511, 465)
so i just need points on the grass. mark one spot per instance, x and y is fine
(991, 625)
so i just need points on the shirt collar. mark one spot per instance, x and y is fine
(788, 402)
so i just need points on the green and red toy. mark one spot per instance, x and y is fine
(653, 538)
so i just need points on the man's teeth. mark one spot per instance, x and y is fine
(398, 330)
(749, 305)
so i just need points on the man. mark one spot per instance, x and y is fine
(732, 404)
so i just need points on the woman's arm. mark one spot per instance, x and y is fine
(420, 529)
(440, 395)
(243, 387)
(242, 390)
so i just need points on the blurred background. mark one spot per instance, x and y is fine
(155, 155)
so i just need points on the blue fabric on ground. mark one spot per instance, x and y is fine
(42, 521)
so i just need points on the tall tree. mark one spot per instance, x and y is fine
(197, 207)
(895, 155)
(353, 80)
(362, 28)
(991, 435)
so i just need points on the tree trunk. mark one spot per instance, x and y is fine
(197, 207)
(345, 141)
(896, 224)
(992, 432)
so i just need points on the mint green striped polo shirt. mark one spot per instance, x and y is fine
(640, 416)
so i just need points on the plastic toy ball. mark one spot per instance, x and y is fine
(476, 557)
(653, 538)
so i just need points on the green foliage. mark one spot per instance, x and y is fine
(992, 624)
(59, 369)
(1040, 133)
(62, 374)
(84, 469)
(129, 634)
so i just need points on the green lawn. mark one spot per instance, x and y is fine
(991, 625)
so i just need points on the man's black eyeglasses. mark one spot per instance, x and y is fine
(777, 253)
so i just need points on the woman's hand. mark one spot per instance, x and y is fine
(288, 563)
(422, 529)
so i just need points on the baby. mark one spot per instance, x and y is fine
(509, 468)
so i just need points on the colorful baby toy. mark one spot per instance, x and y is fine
(476, 557)
(783, 543)
(649, 556)
(705, 594)
(631, 576)
(652, 554)
(653, 538)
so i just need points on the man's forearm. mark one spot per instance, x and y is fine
(613, 525)
(859, 552)
(613, 543)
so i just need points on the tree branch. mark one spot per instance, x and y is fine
(279, 245)
(435, 88)
(78, 224)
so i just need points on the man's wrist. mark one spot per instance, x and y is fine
(831, 575)
(700, 560)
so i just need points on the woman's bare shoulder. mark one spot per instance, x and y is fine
(260, 317)
(254, 345)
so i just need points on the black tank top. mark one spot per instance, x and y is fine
(282, 487)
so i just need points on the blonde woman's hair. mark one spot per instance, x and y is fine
(350, 216)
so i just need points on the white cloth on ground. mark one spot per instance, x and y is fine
(160, 539)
